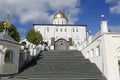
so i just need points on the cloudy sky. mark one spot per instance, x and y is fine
(24, 13)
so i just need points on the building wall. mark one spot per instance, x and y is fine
(77, 33)
(12, 67)
(112, 44)
(60, 21)
(107, 60)
(92, 52)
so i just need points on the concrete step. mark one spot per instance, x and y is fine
(59, 60)
(61, 65)
(62, 53)
(62, 77)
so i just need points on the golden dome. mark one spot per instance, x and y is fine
(60, 14)
(6, 24)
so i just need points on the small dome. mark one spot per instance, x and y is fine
(60, 14)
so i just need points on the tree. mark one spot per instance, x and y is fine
(34, 37)
(1, 26)
(12, 31)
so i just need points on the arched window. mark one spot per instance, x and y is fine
(92, 53)
(8, 56)
(65, 30)
(76, 30)
(98, 50)
(61, 29)
(73, 30)
(48, 30)
(56, 29)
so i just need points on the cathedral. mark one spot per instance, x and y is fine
(103, 48)
(60, 35)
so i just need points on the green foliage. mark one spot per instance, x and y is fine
(34, 37)
(1, 26)
(12, 31)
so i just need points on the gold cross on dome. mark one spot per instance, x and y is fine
(7, 23)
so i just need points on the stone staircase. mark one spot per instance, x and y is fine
(61, 65)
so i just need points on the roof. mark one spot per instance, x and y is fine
(5, 37)
(60, 14)
(61, 24)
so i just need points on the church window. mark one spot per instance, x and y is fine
(76, 30)
(61, 29)
(56, 29)
(65, 30)
(47, 30)
(73, 43)
(62, 22)
(8, 56)
(73, 30)
(97, 50)
(92, 53)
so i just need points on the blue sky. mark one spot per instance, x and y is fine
(24, 13)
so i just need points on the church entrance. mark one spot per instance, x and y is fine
(61, 44)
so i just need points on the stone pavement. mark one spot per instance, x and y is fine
(61, 65)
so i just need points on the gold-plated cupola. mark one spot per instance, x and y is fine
(60, 14)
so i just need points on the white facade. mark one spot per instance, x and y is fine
(104, 51)
(60, 29)
(103, 48)
(60, 21)
(9, 55)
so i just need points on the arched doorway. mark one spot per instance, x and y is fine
(8, 57)
(61, 44)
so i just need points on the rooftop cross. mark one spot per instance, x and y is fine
(7, 23)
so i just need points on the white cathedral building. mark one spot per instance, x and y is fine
(103, 48)
(60, 35)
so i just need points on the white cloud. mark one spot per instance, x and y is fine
(116, 6)
(38, 10)
(114, 28)
(109, 1)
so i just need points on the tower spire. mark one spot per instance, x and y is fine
(8, 17)
(104, 28)
(7, 24)
(103, 17)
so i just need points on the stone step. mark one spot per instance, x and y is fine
(55, 69)
(80, 76)
(61, 65)
(49, 60)
(62, 53)
(63, 79)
